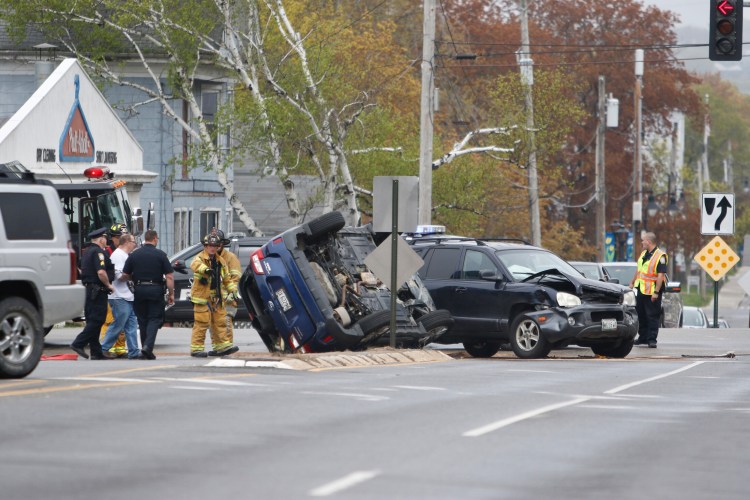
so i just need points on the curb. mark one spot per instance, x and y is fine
(337, 360)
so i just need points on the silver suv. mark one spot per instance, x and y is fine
(37, 271)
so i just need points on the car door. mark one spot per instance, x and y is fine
(477, 301)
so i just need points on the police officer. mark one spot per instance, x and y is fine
(649, 279)
(150, 270)
(97, 273)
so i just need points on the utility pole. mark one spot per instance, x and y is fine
(601, 208)
(426, 114)
(638, 169)
(703, 169)
(527, 64)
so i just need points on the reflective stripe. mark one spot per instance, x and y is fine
(647, 275)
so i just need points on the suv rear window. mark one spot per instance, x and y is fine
(33, 208)
(443, 264)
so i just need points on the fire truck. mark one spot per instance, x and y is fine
(99, 201)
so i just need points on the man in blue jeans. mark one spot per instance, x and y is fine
(121, 302)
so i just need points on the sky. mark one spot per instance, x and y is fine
(691, 12)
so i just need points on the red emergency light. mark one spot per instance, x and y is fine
(96, 173)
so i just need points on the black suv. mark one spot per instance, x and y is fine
(181, 314)
(498, 291)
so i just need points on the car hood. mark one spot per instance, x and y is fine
(585, 288)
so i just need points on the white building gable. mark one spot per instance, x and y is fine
(67, 126)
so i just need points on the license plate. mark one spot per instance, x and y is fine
(283, 300)
(609, 324)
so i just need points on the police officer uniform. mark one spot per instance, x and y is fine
(150, 270)
(651, 264)
(94, 260)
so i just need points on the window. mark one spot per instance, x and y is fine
(182, 224)
(474, 263)
(443, 263)
(34, 224)
(209, 220)
(211, 99)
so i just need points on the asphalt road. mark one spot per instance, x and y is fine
(663, 423)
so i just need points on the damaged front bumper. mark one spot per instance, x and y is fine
(587, 324)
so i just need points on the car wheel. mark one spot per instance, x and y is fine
(373, 321)
(21, 337)
(482, 348)
(614, 351)
(526, 338)
(324, 225)
(436, 323)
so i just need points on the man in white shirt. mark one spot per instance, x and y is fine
(121, 302)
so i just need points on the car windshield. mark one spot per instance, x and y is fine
(623, 273)
(526, 262)
(692, 317)
(591, 270)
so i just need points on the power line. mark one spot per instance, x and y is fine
(581, 63)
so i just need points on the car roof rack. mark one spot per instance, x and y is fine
(507, 240)
(460, 239)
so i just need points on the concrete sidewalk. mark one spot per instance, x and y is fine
(731, 294)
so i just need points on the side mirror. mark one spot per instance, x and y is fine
(179, 266)
(616, 281)
(136, 222)
(673, 287)
(489, 275)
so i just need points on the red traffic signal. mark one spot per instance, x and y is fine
(725, 30)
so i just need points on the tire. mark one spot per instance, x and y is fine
(21, 337)
(612, 351)
(526, 339)
(437, 322)
(373, 321)
(323, 225)
(482, 348)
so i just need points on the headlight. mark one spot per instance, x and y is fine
(629, 298)
(568, 300)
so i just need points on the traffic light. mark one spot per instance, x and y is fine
(725, 31)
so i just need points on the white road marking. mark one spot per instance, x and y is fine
(345, 482)
(651, 379)
(420, 387)
(211, 381)
(105, 379)
(364, 397)
(480, 431)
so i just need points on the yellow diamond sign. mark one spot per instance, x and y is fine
(716, 258)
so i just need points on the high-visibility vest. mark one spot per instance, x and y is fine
(646, 278)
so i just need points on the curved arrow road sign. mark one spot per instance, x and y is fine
(717, 213)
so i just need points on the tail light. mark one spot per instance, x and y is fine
(73, 264)
(256, 261)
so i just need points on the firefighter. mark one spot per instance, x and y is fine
(119, 348)
(211, 282)
(230, 298)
